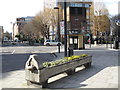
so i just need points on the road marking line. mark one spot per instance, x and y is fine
(13, 51)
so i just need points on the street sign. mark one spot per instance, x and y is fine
(52, 32)
(79, 5)
(62, 27)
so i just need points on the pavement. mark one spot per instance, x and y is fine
(102, 74)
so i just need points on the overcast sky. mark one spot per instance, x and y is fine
(11, 9)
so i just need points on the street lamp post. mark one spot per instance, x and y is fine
(106, 39)
(65, 30)
(58, 27)
(89, 28)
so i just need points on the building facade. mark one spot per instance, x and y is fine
(19, 24)
(78, 20)
(1, 34)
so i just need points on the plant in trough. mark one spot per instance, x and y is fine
(46, 64)
(64, 60)
(84, 55)
(68, 58)
(76, 57)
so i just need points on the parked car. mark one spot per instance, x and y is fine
(52, 42)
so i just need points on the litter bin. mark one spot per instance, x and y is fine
(70, 51)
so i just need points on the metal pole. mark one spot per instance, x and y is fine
(106, 40)
(116, 42)
(58, 33)
(111, 41)
(83, 13)
(65, 30)
(58, 27)
(89, 27)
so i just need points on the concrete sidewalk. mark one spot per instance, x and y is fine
(102, 74)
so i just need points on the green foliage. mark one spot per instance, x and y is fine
(68, 58)
(46, 64)
(64, 60)
(24, 39)
(83, 55)
(17, 36)
(76, 57)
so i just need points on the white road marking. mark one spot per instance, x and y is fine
(13, 51)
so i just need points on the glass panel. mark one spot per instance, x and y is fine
(48, 41)
(75, 41)
(72, 11)
(53, 40)
(71, 41)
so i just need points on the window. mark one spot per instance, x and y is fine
(80, 11)
(77, 11)
(71, 41)
(72, 11)
(53, 40)
(75, 41)
(48, 41)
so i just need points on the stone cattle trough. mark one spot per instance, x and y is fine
(39, 72)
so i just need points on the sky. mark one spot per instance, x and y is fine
(12, 9)
(111, 5)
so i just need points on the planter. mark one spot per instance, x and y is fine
(36, 74)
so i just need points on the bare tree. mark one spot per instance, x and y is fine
(101, 19)
(44, 20)
(28, 29)
(39, 26)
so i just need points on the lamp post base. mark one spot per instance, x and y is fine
(59, 49)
